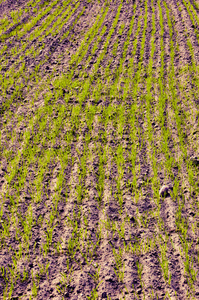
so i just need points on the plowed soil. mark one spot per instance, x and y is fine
(99, 108)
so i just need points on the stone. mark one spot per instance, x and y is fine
(194, 160)
(164, 191)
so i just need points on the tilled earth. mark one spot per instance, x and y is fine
(99, 110)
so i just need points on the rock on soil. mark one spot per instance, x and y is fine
(194, 160)
(164, 191)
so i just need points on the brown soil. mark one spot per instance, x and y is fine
(95, 230)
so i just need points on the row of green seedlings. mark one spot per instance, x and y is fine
(80, 187)
(88, 82)
(79, 242)
(150, 66)
(31, 139)
(163, 104)
(72, 247)
(134, 91)
(31, 151)
(165, 270)
(128, 71)
(28, 27)
(48, 96)
(90, 248)
(27, 223)
(16, 77)
(120, 70)
(121, 119)
(106, 112)
(16, 15)
(107, 70)
(102, 154)
(118, 159)
(182, 226)
(56, 25)
(193, 16)
(193, 67)
(46, 23)
(21, 31)
(178, 116)
(194, 7)
(133, 84)
(89, 37)
(127, 86)
(49, 233)
(175, 106)
(136, 248)
(196, 4)
(149, 137)
(121, 29)
(190, 168)
(10, 275)
(67, 80)
(131, 60)
(81, 52)
(94, 28)
(83, 72)
(120, 163)
(172, 82)
(40, 179)
(106, 87)
(28, 133)
(149, 111)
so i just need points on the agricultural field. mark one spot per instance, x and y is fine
(99, 108)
